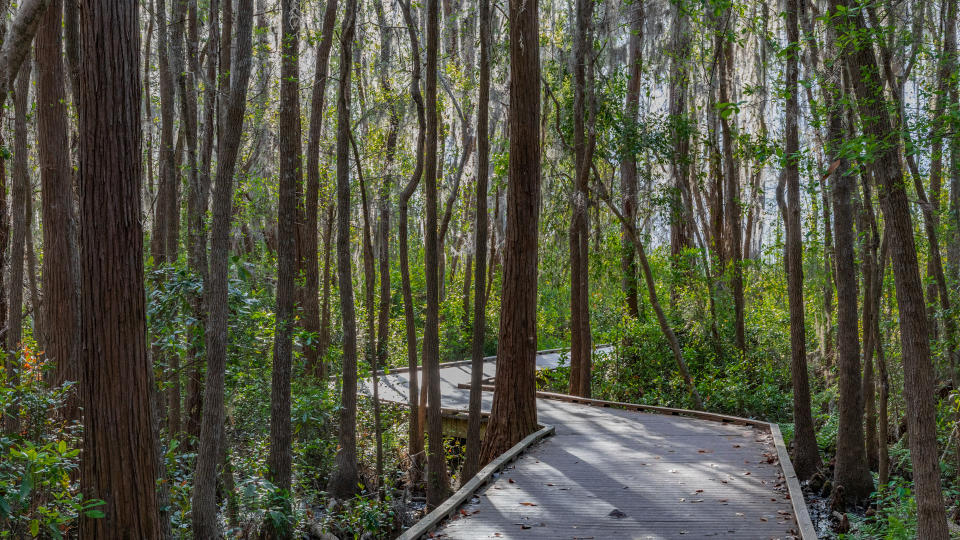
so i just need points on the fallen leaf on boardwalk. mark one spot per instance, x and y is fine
(528, 504)
(682, 499)
(696, 500)
(464, 512)
(763, 519)
(701, 451)
(617, 514)
(747, 473)
(736, 446)
(524, 526)
(511, 480)
(475, 512)
(549, 484)
(783, 512)
(722, 500)
(699, 491)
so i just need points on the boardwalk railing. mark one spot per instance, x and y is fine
(449, 507)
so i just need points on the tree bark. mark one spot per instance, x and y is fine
(583, 146)
(806, 456)
(851, 471)
(471, 463)
(233, 89)
(437, 483)
(514, 412)
(343, 482)
(731, 182)
(21, 181)
(280, 462)
(416, 444)
(119, 460)
(311, 308)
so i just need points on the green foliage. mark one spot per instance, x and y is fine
(39, 493)
(895, 517)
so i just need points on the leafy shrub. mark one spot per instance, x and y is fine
(39, 493)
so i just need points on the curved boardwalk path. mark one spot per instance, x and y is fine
(611, 473)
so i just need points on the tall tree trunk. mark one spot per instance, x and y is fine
(280, 462)
(343, 482)
(233, 101)
(320, 368)
(369, 283)
(471, 463)
(583, 146)
(437, 482)
(806, 456)
(731, 180)
(883, 458)
(383, 233)
(163, 207)
(680, 222)
(514, 412)
(311, 307)
(21, 181)
(416, 446)
(851, 472)
(119, 460)
(60, 255)
(870, 244)
(197, 202)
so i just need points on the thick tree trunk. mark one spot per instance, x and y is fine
(343, 482)
(514, 412)
(233, 92)
(119, 460)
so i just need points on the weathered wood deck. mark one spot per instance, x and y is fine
(613, 473)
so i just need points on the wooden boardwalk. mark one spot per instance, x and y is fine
(610, 473)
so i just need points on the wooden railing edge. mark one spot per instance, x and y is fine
(800, 512)
(797, 501)
(449, 507)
